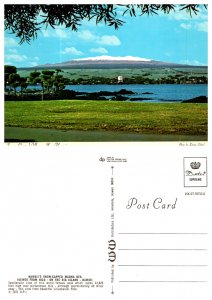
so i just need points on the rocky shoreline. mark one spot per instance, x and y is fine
(121, 95)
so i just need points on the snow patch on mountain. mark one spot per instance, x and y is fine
(113, 58)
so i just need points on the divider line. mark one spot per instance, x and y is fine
(162, 265)
(163, 281)
(162, 249)
(192, 233)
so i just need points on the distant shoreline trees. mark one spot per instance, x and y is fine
(50, 83)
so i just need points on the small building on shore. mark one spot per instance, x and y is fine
(120, 79)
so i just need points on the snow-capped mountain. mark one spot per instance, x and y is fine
(113, 58)
(111, 62)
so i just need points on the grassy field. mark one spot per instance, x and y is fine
(100, 116)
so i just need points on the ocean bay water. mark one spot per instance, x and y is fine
(151, 92)
(144, 92)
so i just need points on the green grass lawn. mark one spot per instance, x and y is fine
(145, 118)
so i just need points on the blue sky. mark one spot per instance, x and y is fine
(173, 38)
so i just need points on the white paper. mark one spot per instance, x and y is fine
(105, 220)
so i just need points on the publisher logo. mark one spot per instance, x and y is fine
(102, 159)
(195, 171)
(195, 165)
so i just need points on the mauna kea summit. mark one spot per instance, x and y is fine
(110, 62)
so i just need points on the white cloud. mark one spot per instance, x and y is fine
(71, 50)
(61, 33)
(57, 32)
(183, 15)
(110, 40)
(196, 22)
(46, 33)
(10, 42)
(99, 50)
(12, 51)
(91, 23)
(13, 57)
(186, 26)
(179, 15)
(193, 62)
(8, 63)
(200, 26)
(87, 35)
(16, 57)
(33, 63)
(203, 26)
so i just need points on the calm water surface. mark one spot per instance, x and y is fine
(159, 92)
(151, 92)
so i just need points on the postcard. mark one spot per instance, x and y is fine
(105, 152)
(106, 224)
(108, 73)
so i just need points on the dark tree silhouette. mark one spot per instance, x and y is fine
(13, 79)
(25, 21)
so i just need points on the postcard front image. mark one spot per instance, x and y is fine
(105, 155)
